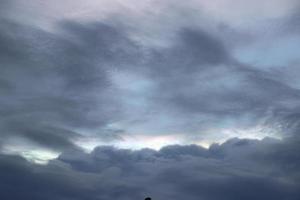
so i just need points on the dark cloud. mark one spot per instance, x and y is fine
(57, 83)
(192, 51)
(247, 169)
(5, 6)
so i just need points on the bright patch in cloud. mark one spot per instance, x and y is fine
(35, 155)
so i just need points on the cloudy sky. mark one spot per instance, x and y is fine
(123, 99)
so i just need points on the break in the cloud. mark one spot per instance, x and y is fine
(77, 75)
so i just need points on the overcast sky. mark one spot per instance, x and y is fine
(120, 99)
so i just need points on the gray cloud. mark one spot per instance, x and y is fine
(197, 79)
(57, 83)
(61, 81)
(236, 169)
(76, 80)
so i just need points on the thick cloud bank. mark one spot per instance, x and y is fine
(237, 169)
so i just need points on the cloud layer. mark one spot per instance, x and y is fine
(94, 79)
(75, 75)
(237, 169)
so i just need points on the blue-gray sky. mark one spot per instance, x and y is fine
(210, 88)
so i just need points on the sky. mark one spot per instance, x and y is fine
(124, 99)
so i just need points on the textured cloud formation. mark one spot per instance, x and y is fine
(237, 169)
(74, 75)
(58, 84)
(52, 83)
(94, 78)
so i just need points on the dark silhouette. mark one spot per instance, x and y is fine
(148, 198)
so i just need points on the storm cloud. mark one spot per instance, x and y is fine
(247, 169)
